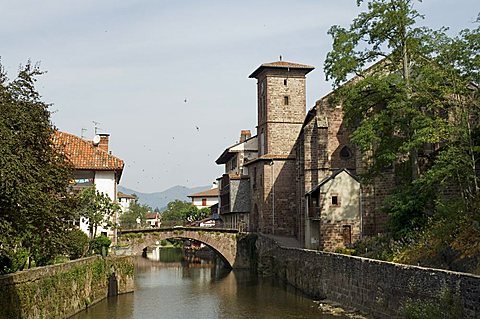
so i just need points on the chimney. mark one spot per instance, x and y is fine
(244, 135)
(103, 145)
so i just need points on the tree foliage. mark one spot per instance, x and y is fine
(136, 213)
(34, 176)
(97, 209)
(179, 213)
(413, 103)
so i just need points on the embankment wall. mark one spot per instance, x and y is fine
(381, 289)
(60, 291)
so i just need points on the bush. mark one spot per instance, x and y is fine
(76, 243)
(100, 245)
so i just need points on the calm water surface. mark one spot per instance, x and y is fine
(180, 290)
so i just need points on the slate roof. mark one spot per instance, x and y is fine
(84, 155)
(282, 65)
(213, 192)
(325, 180)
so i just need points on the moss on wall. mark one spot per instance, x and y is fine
(60, 291)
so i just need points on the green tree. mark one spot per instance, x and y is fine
(76, 243)
(97, 209)
(180, 212)
(408, 99)
(34, 176)
(136, 212)
(416, 107)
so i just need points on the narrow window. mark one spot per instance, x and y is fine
(204, 202)
(285, 100)
(347, 234)
(335, 201)
(285, 82)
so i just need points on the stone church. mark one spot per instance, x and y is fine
(303, 177)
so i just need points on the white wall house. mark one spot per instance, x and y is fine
(124, 200)
(93, 165)
(206, 198)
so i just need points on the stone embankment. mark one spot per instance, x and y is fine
(60, 291)
(381, 289)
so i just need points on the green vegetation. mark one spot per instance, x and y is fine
(77, 243)
(136, 216)
(35, 206)
(59, 288)
(179, 213)
(97, 209)
(416, 110)
(449, 306)
(100, 245)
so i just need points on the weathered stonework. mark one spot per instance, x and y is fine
(60, 291)
(381, 289)
(225, 242)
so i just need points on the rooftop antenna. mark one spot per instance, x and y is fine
(82, 135)
(95, 125)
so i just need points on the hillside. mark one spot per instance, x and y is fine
(161, 199)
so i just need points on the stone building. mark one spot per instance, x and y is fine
(304, 183)
(281, 93)
(234, 185)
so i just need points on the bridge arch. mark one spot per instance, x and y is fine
(222, 241)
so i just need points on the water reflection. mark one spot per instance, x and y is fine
(177, 289)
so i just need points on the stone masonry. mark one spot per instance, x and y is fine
(381, 289)
(281, 111)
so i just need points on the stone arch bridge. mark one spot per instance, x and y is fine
(235, 248)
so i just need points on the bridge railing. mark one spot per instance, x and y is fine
(178, 228)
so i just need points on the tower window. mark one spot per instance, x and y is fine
(285, 82)
(285, 100)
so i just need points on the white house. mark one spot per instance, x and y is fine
(93, 165)
(124, 200)
(206, 198)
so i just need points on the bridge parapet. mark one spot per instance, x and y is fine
(225, 242)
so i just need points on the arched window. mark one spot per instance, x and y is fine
(345, 153)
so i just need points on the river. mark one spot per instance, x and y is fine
(203, 290)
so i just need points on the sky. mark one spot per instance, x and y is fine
(168, 79)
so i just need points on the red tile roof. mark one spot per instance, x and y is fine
(282, 65)
(213, 192)
(84, 155)
(150, 215)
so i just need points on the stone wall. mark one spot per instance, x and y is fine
(381, 289)
(60, 291)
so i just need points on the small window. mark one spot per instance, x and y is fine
(204, 202)
(335, 201)
(285, 100)
(285, 82)
(345, 153)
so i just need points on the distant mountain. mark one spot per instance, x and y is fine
(161, 199)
